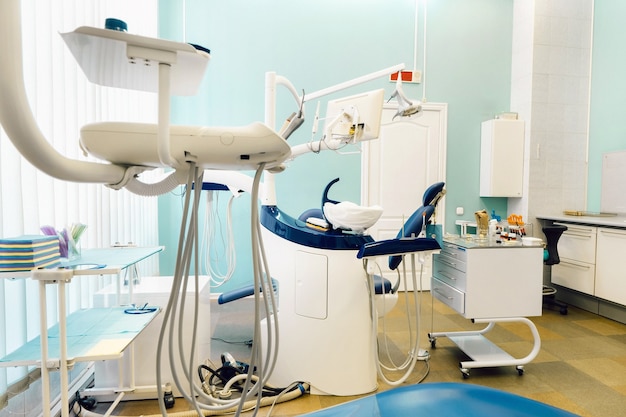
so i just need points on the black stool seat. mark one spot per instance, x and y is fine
(553, 233)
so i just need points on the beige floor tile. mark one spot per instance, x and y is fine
(557, 399)
(580, 367)
(603, 327)
(598, 401)
(605, 370)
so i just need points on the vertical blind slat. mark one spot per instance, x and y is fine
(63, 100)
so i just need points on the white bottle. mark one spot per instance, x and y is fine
(492, 229)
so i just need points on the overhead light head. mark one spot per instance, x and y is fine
(405, 106)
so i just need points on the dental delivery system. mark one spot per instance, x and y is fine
(110, 58)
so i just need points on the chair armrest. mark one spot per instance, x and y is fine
(397, 247)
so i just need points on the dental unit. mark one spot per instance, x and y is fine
(111, 58)
(332, 289)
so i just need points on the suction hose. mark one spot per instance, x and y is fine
(265, 401)
(166, 185)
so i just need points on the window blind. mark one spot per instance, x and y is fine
(63, 100)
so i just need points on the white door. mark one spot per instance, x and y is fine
(409, 156)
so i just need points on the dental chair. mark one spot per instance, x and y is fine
(403, 244)
(323, 302)
(408, 243)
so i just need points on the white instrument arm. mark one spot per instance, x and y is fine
(17, 118)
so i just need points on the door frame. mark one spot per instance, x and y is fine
(442, 109)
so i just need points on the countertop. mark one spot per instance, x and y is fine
(618, 220)
(471, 242)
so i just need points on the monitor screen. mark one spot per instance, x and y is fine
(355, 118)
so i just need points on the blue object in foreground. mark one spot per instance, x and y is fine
(443, 399)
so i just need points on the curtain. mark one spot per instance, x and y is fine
(63, 100)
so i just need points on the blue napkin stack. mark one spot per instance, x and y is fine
(27, 252)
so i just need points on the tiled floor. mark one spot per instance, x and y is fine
(581, 366)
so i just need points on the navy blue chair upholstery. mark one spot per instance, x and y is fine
(447, 399)
(395, 248)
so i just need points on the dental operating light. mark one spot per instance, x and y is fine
(405, 106)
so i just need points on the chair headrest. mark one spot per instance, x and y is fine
(432, 193)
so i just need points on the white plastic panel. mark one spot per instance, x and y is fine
(311, 285)
(119, 59)
(215, 147)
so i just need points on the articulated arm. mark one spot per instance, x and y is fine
(18, 121)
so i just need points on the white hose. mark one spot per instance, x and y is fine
(187, 250)
(411, 359)
(265, 401)
(18, 121)
(212, 230)
(167, 184)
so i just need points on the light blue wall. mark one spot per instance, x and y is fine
(318, 43)
(607, 130)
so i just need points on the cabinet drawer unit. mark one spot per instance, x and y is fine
(446, 270)
(454, 252)
(448, 295)
(578, 243)
(579, 276)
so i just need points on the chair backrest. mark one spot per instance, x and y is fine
(419, 219)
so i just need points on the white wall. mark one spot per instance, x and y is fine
(550, 89)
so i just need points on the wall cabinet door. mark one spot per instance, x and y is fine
(611, 265)
(502, 158)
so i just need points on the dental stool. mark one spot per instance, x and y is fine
(553, 233)
(447, 399)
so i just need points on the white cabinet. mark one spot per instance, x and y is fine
(611, 265)
(502, 158)
(487, 282)
(593, 261)
(139, 368)
(577, 251)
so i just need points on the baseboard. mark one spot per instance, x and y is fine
(76, 385)
(28, 403)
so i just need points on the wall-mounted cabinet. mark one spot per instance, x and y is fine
(502, 158)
